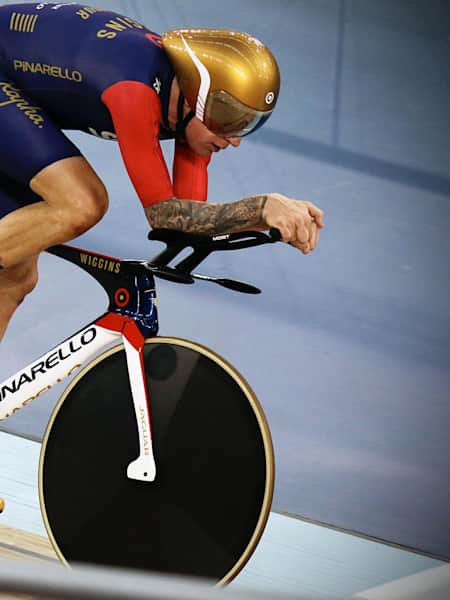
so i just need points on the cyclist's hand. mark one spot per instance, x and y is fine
(298, 221)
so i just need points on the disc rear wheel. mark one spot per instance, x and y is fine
(206, 510)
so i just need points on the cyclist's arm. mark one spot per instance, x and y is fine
(136, 113)
(190, 173)
(210, 218)
(297, 220)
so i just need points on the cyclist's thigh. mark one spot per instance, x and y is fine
(31, 141)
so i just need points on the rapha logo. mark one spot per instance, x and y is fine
(14, 97)
(63, 353)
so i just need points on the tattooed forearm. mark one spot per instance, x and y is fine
(213, 219)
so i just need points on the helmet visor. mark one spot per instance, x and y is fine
(227, 116)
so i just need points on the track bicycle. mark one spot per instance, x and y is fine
(158, 455)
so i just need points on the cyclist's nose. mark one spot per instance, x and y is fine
(234, 141)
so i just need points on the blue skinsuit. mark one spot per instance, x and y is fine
(58, 65)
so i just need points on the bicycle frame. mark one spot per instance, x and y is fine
(131, 316)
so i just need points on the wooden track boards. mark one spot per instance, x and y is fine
(16, 544)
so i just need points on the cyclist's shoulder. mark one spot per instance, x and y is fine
(92, 39)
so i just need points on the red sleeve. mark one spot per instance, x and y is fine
(136, 113)
(190, 173)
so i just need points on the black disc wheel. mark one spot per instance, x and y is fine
(206, 510)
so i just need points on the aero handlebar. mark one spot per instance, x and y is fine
(202, 245)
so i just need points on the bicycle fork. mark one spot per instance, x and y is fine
(143, 468)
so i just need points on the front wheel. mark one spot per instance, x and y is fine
(207, 508)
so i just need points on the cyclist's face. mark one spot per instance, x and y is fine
(205, 142)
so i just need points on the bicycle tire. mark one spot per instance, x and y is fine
(205, 512)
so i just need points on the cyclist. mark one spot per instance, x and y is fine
(68, 66)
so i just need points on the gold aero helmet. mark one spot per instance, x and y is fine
(230, 79)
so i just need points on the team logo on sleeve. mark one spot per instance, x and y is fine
(157, 85)
(105, 135)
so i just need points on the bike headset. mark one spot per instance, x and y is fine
(230, 79)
